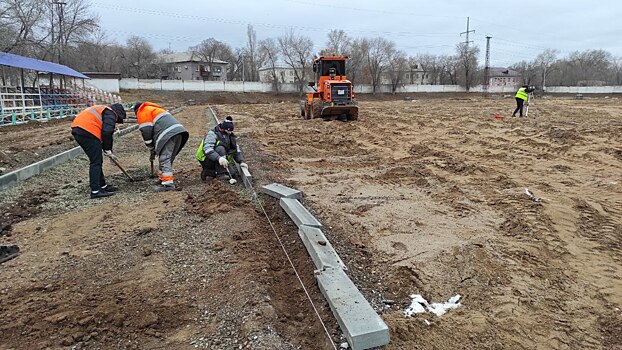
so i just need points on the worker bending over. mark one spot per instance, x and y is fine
(522, 95)
(164, 136)
(93, 129)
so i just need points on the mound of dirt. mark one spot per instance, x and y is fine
(26, 206)
(217, 198)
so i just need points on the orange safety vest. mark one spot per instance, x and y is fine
(90, 120)
(148, 112)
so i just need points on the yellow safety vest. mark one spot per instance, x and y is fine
(522, 94)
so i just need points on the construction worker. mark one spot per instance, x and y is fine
(218, 151)
(522, 95)
(93, 129)
(164, 136)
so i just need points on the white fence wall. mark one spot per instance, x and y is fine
(238, 86)
(585, 89)
(108, 85)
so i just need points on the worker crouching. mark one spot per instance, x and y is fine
(164, 136)
(218, 152)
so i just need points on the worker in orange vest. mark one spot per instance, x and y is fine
(92, 129)
(164, 136)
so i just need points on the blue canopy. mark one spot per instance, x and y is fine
(11, 60)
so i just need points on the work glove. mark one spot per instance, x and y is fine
(108, 153)
(223, 162)
(152, 155)
(244, 165)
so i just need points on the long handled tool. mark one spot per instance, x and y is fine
(116, 162)
(151, 158)
(231, 179)
(529, 97)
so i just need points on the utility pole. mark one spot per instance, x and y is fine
(60, 32)
(60, 27)
(466, 60)
(467, 34)
(487, 66)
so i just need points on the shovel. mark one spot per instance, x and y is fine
(115, 161)
(152, 171)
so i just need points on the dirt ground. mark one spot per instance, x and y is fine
(418, 197)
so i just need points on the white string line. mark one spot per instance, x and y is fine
(287, 256)
(295, 271)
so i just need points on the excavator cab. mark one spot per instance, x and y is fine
(333, 96)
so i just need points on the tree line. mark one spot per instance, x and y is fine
(71, 34)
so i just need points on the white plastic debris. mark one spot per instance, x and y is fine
(417, 305)
(427, 323)
(531, 195)
(344, 345)
(420, 305)
(441, 308)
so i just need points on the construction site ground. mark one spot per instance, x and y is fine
(419, 196)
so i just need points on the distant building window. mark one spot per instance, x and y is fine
(196, 69)
(178, 69)
(217, 69)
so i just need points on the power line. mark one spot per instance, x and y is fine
(410, 14)
(263, 24)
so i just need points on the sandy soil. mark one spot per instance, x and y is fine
(417, 197)
(430, 195)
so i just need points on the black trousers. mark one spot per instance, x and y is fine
(519, 106)
(93, 149)
(213, 168)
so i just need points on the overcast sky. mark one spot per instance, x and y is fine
(519, 29)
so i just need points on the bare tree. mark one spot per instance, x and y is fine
(296, 50)
(378, 52)
(467, 57)
(252, 72)
(356, 65)
(544, 61)
(617, 68)
(138, 58)
(77, 23)
(238, 63)
(20, 25)
(433, 67)
(452, 69)
(527, 71)
(337, 44)
(397, 67)
(211, 50)
(268, 57)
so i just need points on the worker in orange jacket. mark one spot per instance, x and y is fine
(93, 129)
(164, 136)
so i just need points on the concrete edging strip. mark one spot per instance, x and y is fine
(16, 176)
(361, 325)
(279, 191)
(319, 248)
(298, 213)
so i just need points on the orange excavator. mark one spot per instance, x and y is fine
(334, 96)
